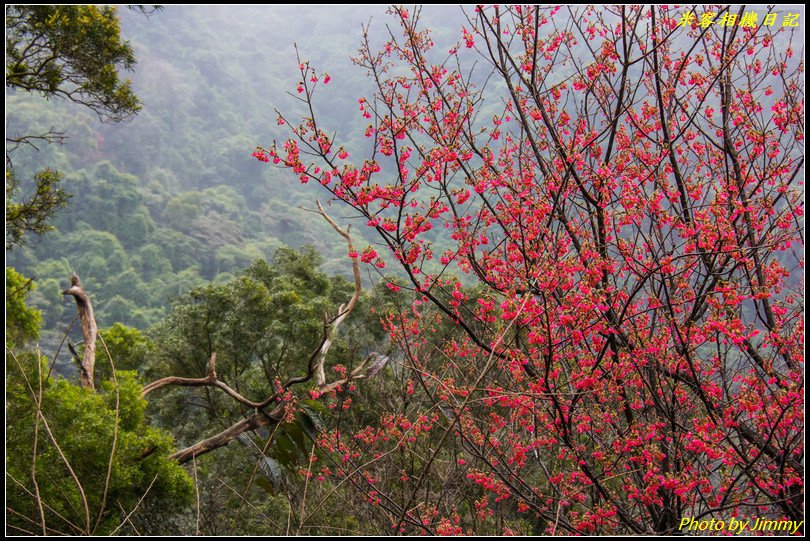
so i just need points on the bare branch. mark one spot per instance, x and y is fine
(210, 380)
(51, 136)
(344, 310)
(259, 419)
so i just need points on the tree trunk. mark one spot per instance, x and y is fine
(89, 331)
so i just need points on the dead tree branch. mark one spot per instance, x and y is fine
(260, 418)
(257, 420)
(210, 379)
(345, 309)
(89, 331)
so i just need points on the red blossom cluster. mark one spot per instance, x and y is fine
(260, 155)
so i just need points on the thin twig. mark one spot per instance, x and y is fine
(38, 497)
(306, 486)
(197, 492)
(115, 437)
(126, 518)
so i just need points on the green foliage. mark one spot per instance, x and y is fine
(182, 211)
(22, 322)
(109, 201)
(229, 504)
(72, 442)
(263, 324)
(73, 52)
(129, 348)
(173, 207)
(33, 214)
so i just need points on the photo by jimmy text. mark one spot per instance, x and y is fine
(740, 525)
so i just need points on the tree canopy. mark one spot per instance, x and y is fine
(72, 52)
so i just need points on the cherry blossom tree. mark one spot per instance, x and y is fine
(599, 214)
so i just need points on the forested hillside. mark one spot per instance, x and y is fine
(172, 198)
(343, 270)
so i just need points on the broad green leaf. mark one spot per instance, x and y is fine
(285, 451)
(271, 469)
(266, 485)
